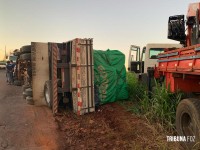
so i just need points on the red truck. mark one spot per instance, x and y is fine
(181, 70)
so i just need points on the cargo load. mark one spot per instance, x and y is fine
(109, 76)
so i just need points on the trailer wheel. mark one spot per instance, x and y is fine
(188, 122)
(48, 93)
(28, 92)
(26, 49)
(26, 56)
(24, 87)
(29, 100)
(17, 53)
(24, 95)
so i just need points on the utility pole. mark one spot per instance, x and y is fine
(5, 54)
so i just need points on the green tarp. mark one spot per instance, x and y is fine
(110, 75)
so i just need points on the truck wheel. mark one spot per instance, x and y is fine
(188, 121)
(17, 53)
(28, 92)
(26, 56)
(24, 87)
(29, 100)
(26, 49)
(48, 93)
(24, 95)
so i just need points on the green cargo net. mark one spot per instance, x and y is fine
(110, 75)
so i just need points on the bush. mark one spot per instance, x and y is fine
(136, 90)
(160, 107)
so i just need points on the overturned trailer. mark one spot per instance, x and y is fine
(62, 74)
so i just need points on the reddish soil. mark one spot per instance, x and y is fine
(111, 127)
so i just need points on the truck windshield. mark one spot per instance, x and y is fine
(153, 52)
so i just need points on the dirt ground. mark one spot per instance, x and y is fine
(23, 126)
(111, 127)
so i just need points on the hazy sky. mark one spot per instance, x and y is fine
(114, 24)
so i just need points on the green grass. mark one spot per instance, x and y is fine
(159, 108)
(135, 89)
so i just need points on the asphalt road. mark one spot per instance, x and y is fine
(23, 126)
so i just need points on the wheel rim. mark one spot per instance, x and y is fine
(187, 125)
(47, 96)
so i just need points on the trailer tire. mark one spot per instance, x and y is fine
(28, 92)
(29, 100)
(26, 49)
(24, 87)
(24, 95)
(17, 53)
(188, 121)
(48, 93)
(26, 56)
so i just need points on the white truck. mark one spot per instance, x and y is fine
(139, 61)
(2, 65)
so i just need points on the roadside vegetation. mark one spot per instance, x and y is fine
(159, 108)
